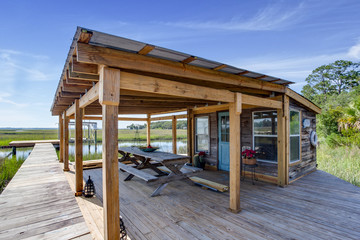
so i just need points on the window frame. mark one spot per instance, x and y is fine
(294, 135)
(196, 135)
(253, 136)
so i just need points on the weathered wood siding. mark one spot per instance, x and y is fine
(307, 161)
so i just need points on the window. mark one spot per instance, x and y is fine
(202, 134)
(265, 135)
(294, 135)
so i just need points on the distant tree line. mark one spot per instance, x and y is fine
(335, 88)
(180, 124)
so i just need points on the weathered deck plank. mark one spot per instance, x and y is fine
(38, 202)
(318, 206)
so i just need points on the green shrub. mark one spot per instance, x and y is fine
(8, 169)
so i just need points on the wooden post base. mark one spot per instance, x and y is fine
(78, 194)
(66, 169)
(235, 211)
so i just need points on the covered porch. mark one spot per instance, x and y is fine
(105, 76)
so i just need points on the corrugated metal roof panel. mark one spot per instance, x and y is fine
(111, 41)
(168, 54)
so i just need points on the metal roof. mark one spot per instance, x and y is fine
(129, 45)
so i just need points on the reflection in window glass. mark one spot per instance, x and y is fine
(202, 133)
(265, 135)
(265, 123)
(294, 122)
(266, 148)
(294, 148)
(225, 128)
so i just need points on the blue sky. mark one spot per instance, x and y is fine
(286, 39)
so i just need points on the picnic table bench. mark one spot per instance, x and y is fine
(168, 167)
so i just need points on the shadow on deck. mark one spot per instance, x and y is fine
(318, 206)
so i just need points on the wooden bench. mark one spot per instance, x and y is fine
(147, 177)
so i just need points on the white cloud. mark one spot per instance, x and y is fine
(273, 17)
(354, 51)
(4, 98)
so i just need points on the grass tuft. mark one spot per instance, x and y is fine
(8, 168)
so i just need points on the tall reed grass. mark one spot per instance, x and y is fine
(8, 168)
(341, 161)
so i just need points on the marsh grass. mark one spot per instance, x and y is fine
(8, 168)
(8, 135)
(342, 161)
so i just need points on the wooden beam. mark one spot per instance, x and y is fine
(173, 130)
(189, 116)
(85, 36)
(242, 73)
(82, 76)
(235, 157)
(169, 117)
(238, 103)
(220, 67)
(98, 55)
(260, 77)
(91, 96)
(297, 97)
(61, 133)
(78, 150)
(86, 68)
(145, 50)
(286, 110)
(261, 102)
(209, 109)
(148, 125)
(66, 142)
(188, 60)
(119, 118)
(142, 83)
(109, 90)
(109, 98)
(281, 147)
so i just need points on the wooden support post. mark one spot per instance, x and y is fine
(174, 135)
(66, 142)
(189, 133)
(148, 124)
(61, 145)
(109, 99)
(235, 156)
(283, 143)
(78, 150)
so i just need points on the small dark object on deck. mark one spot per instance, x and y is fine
(89, 189)
(123, 233)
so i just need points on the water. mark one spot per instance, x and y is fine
(22, 153)
(164, 145)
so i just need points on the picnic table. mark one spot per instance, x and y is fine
(167, 167)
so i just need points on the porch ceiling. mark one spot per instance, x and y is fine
(91, 49)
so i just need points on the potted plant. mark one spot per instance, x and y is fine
(248, 157)
(199, 160)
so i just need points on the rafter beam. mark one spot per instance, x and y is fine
(145, 50)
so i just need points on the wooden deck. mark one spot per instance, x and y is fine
(38, 202)
(318, 206)
(31, 143)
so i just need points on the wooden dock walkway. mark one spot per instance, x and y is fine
(31, 143)
(38, 202)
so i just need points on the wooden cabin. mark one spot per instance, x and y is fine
(227, 109)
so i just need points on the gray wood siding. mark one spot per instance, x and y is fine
(307, 162)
